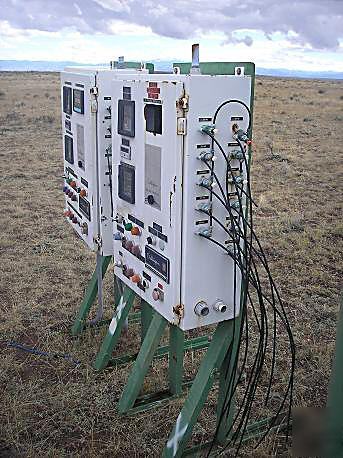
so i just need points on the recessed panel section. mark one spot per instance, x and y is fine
(68, 149)
(67, 100)
(126, 182)
(126, 118)
(153, 118)
(80, 143)
(152, 178)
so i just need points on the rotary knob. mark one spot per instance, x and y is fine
(136, 250)
(129, 272)
(129, 245)
(150, 199)
(136, 278)
(135, 230)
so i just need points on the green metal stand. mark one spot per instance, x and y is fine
(212, 362)
(129, 401)
(334, 445)
(89, 298)
(115, 329)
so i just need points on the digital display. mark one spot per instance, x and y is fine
(67, 99)
(78, 101)
(85, 207)
(126, 182)
(157, 263)
(126, 117)
(68, 149)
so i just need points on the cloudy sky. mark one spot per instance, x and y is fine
(299, 34)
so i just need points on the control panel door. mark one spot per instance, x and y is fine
(147, 189)
(80, 152)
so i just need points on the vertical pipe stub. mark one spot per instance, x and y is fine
(195, 69)
(121, 62)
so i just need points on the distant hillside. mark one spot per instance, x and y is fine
(52, 66)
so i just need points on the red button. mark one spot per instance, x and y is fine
(136, 278)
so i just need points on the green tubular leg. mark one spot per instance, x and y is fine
(198, 393)
(146, 317)
(176, 353)
(334, 443)
(89, 298)
(115, 329)
(226, 385)
(142, 363)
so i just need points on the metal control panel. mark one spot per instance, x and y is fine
(86, 95)
(163, 191)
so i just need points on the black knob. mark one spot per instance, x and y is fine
(80, 164)
(150, 199)
(149, 240)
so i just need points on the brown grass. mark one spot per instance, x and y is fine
(51, 408)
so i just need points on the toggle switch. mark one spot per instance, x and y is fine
(151, 240)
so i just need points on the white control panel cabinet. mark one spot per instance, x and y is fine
(157, 175)
(86, 128)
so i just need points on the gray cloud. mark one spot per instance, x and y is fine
(315, 22)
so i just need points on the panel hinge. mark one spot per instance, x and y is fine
(182, 105)
(179, 311)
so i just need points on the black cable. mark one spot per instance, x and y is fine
(248, 259)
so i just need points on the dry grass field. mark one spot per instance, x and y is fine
(52, 408)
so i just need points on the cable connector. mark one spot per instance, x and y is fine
(235, 204)
(209, 129)
(204, 232)
(206, 182)
(205, 207)
(236, 154)
(206, 156)
(240, 134)
(237, 180)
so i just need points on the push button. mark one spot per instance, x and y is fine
(135, 230)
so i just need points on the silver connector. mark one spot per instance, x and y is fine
(201, 309)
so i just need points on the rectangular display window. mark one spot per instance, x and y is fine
(67, 100)
(68, 149)
(78, 101)
(126, 182)
(153, 118)
(126, 118)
